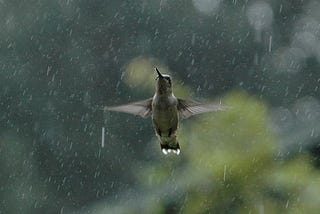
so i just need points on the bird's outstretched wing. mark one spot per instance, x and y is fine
(188, 108)
(142, 108)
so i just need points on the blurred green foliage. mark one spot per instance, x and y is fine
(230, 165)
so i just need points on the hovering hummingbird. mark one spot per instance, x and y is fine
(165, 110)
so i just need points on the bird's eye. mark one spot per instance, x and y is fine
(168, 80)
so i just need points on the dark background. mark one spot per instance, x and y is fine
(62, 60)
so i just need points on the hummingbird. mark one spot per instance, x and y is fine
(165, 110)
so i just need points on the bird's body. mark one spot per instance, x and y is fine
(165, 109)
(165, 121)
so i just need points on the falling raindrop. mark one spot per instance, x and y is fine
(102, 137)
(270, 43)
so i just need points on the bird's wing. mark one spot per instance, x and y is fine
(188, 108)
(142, 108)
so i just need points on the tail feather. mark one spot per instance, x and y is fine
(170, 147)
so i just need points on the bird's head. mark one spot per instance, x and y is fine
(164, 85)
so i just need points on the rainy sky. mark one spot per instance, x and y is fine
(62, 61)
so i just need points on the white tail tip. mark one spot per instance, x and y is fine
(167, 151)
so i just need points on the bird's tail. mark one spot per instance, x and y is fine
(170, 146)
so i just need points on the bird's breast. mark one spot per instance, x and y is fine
(164, 112)
(164, 104)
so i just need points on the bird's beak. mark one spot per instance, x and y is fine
(159, 74)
